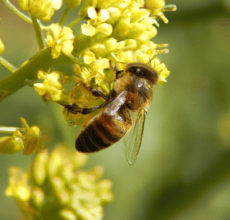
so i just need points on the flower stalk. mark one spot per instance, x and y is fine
(28, 71)
(7, 65)
(64, 16)
(38, 33)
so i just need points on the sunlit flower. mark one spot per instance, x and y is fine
(161, 69)
(50, 88)
(97, 18)
(41, 9)
(88, 30)
(72, 194)
(60, 39)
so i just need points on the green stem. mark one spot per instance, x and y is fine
(75, 22)
(38, 32)
(28, 71)
(19, 13)
(8, 65)
(64, 16)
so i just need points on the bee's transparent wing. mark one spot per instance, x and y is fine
(133, 139)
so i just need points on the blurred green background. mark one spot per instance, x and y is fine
(183, 169)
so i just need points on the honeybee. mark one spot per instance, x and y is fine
(132, 91)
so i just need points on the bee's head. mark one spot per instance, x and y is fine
(141, 70)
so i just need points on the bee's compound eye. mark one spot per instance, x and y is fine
(136, 71)
(143, 71)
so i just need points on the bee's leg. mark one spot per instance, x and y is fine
(118, 72)
(115, 68)
(75, 109)
(97, 92)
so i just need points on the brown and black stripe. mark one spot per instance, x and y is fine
(103, 131)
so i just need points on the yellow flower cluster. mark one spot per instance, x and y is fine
(114, 30)
(56, 188)
(31, 141)
(119, 31)
(40, 9)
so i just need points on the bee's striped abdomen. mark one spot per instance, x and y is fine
(102, 132)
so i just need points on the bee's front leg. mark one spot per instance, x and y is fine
(116, 69)
(97, 92)
(75, 109)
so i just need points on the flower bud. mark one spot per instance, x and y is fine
(41, 9)
(1, 47)
(67, 214)
(24, 4)
(37, 197)
(58, 184)
(80, 159)
(11, 144)
(154, 4)
(38, 169)
(72, 3)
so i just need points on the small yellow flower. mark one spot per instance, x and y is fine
(50, 88)
(41, 9)
(71, 194)
(161, 69)
(97, 18)
(1, 47)
(89, 57)
(105, 29)
(88, 30)
(60, 39)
